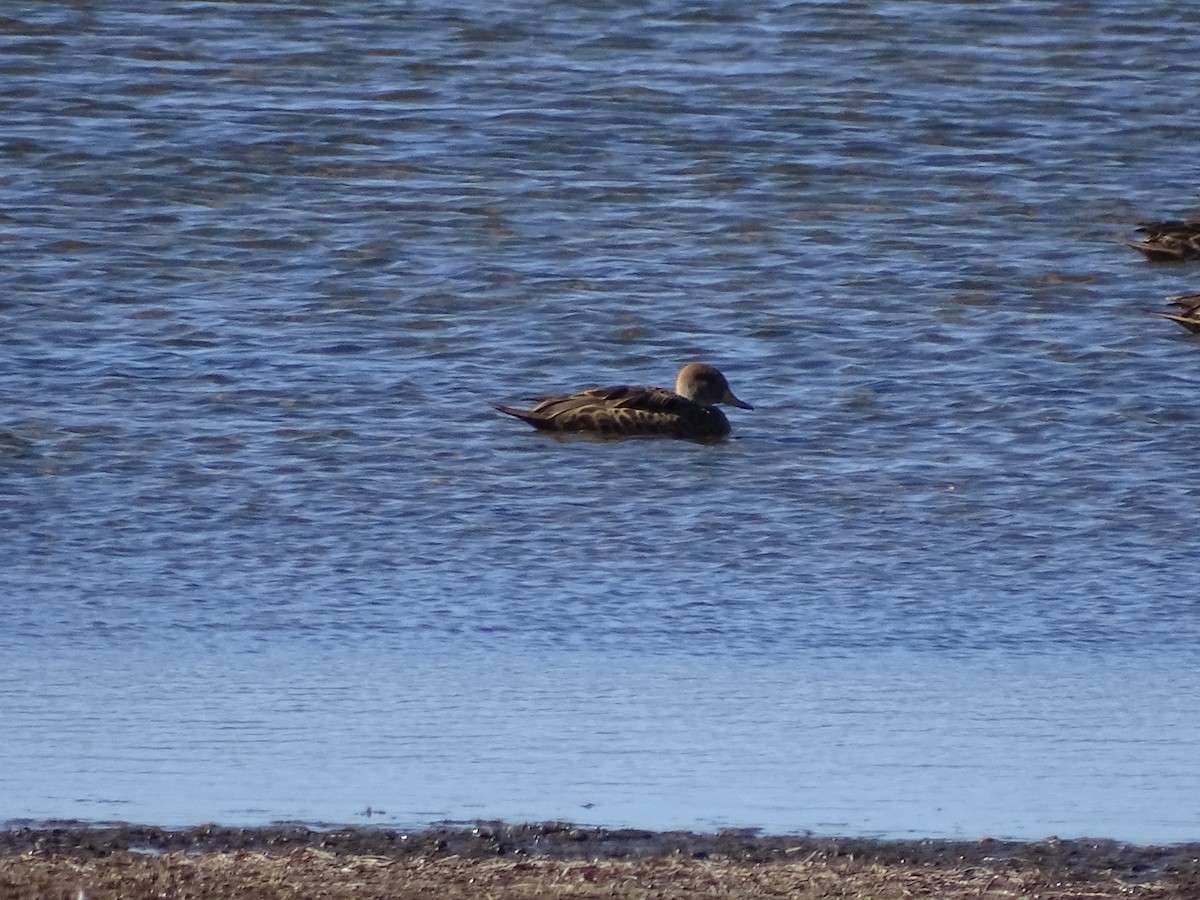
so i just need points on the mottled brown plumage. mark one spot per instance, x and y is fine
(1168, 241)
(1189, 311)
(688, 412)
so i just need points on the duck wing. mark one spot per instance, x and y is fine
(611, 401)
(623, 396)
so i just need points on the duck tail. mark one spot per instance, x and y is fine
(1191, 323)
(525, 415)
(1155, 252)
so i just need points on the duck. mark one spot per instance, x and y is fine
(1169, 241)
(689, 412)
(1189, 311)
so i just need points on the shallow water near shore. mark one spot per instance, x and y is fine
(401, 736)
(268, 555)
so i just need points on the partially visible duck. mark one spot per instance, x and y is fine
(1168, 241)
(688, 412)
(1189, 311)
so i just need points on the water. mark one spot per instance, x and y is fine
(267, 553)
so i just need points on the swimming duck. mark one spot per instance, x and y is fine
(1189, 311)
(688, 412)
(1168, 241)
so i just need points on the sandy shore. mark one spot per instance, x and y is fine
(77, 861)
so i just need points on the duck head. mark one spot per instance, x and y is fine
(704, 384)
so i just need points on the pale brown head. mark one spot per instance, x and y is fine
(705, 385)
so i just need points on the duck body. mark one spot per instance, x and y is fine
(1174, 241)
(689, 412)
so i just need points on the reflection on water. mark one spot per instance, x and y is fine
(268, 554)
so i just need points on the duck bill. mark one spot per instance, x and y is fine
(731, 400)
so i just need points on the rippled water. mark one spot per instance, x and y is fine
(267, 553)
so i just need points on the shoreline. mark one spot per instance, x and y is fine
(94, 861)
